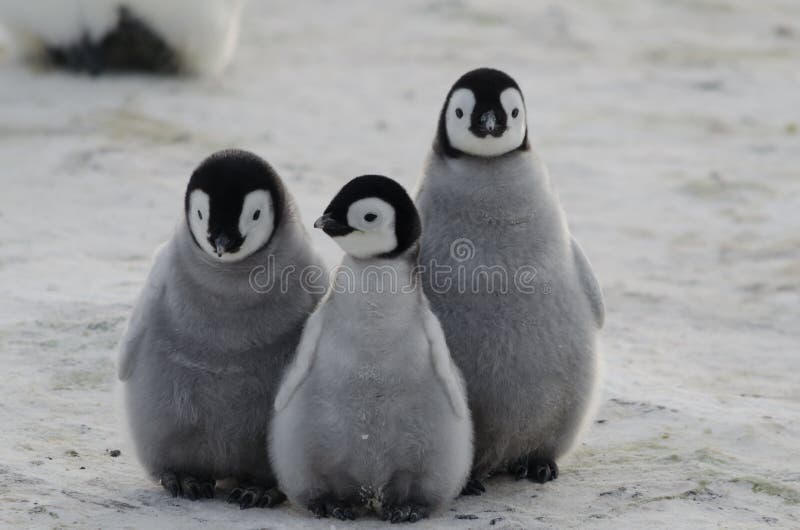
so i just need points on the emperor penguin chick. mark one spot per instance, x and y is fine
(209, 336)
(516, 296)
(372, 407)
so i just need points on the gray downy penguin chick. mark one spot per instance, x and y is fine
(516, 296)
(373, 409)
(209, 336)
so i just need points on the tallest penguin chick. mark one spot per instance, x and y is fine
(493, 221)
(210, 336)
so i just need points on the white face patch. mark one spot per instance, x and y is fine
(198, 214)
(256, 223)
(458, 119)
(373, 221)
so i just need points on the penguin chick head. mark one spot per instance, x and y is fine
(483, 115)
(372, 217)
(233, 204)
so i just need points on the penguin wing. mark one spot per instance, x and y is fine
(443, 365)
(138, 328)
(590, 285)
(303, 359)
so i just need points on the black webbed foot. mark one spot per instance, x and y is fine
(519, 468)
(256, 497)
(473, 487)
(542, 470)
(187, 486)
(405, 513)
(171, 483)
(322, 508)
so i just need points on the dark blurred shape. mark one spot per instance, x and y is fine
(130, 46)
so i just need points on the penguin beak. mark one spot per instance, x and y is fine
(331, 226)
(489, 121)
(221, 245)
(324, 220)
(489, 125)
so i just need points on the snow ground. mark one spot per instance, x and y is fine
(672, 133)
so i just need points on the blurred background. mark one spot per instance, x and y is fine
(670, 129)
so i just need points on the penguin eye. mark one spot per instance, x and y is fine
(515, 113)
(459, 113)
(200, 215)
(256, 215)
(370, 217)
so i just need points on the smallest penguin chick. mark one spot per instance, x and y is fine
(372, 407)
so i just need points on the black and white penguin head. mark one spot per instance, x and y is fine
(233, 204)
(372, 217)
(483, 115)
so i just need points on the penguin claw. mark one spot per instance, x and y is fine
(407, 513)
(543, 474)
(343, 513)
(318, 509)
(542, 470)
(235, 495)
(326, 508)
(400, 514)
(190, 490)
(170, 482)
(255, 497)
(248, 500)
(207, 489)
(415, 516)
(520, 469)
(187, 486)
(271, 498)
(473, 487)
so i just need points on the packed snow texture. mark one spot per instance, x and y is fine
(672, 132)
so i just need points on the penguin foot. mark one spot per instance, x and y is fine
(520, 472)
(405, 513)
(541, 470)
(473, 487)
(187, 486)
(256, 497)
(322, 508)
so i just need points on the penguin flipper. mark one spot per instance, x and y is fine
(128, 348)
(303, 360)
(443, 365)
(590, 285)
(138, 328)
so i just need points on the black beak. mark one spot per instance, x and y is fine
(489, 121)
(331, 226)
(489, 125)
(223, 244)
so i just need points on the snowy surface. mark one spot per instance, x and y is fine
(672, 133)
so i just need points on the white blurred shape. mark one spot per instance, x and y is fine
(202, 33)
